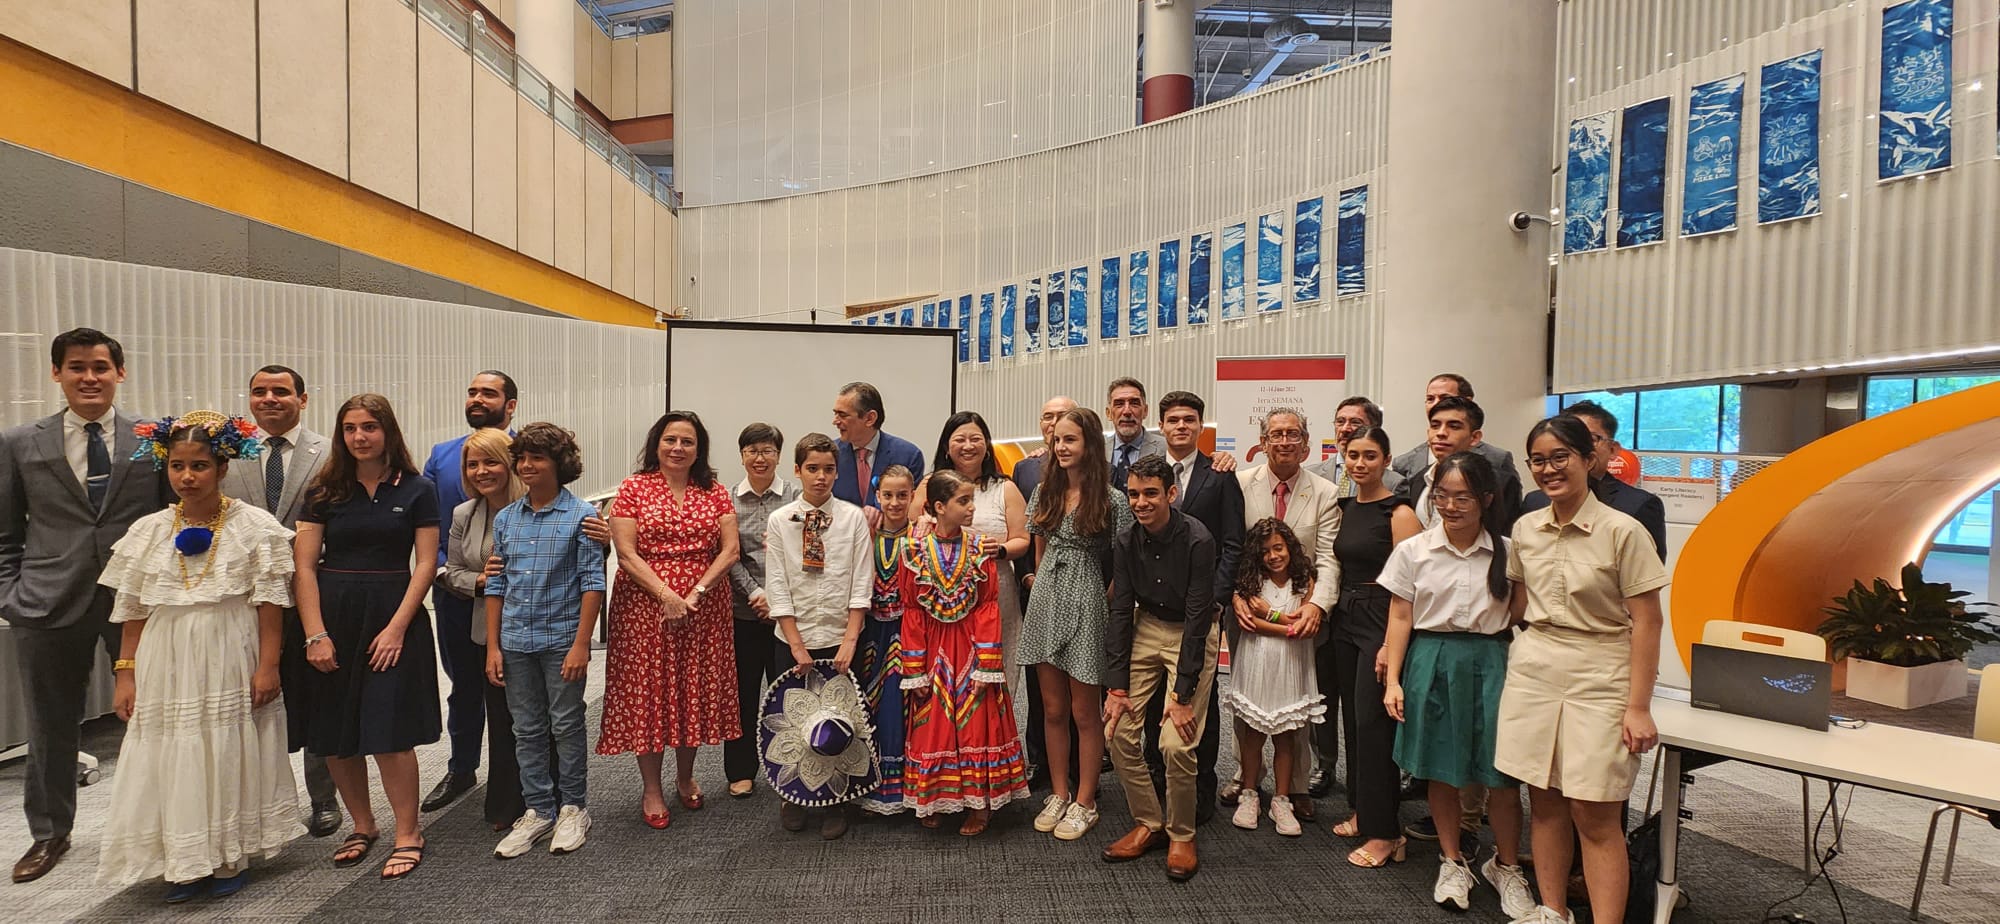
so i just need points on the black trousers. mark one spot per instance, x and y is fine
(55, 667)
(1326, 735)
(755, 670)
(1205, 753)
(1372, 779)
(503, 768)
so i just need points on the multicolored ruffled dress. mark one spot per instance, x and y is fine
(878, 666)
(962, 751)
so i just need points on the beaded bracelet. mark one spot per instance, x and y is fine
(320, 637)
(125, 664)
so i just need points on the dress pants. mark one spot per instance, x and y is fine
(503, 768)
(1156, 651)
(755, 670)
(1205, 753)
(1326, 735)
(1372, 778)
(465, 664)
(54, 667)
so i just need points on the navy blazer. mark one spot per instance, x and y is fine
(893, 450)
(1635, 502)
(1216, 501)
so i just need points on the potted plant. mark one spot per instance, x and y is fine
(1907, 646)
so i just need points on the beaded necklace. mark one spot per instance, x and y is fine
(949, 577)
(888, 597)
(197, 538)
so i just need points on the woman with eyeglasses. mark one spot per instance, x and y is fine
(1373, 520)
(1576, 711)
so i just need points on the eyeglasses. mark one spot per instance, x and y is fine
(1285, 437)
(1551, 462)
(1455, 501)
(761, 453)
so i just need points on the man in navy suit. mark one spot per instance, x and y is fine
(864, 451)
(1215, 500)
(1635, 502)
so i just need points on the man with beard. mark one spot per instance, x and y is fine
(489, 402)
(1351, 419)
(1125, 408)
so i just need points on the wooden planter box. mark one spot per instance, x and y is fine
(1905, 687)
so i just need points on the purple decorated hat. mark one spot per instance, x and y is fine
(815, 740)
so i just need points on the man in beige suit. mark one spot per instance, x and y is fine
(293, 456)
(1308, 504)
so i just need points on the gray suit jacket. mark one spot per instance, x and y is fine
(465, 561)
(53, 545)
(245, 481)
(1415, 459)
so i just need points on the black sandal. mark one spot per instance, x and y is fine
(393, 858)
(367, 842)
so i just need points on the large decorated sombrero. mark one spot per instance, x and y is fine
(817, 746)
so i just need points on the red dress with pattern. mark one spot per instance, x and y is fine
(674, 687)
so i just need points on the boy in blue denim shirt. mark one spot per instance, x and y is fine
(544, 588)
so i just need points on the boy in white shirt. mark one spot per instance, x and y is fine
(818, 554)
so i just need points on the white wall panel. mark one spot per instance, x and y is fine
(640, 218)
(302, 77)
(596, 219)
(382, 97)
(874, 90)
(535, 180)
(95, 35)
(444, 126)
(605, 382)
(200, 56)
(495, 157)
(1886, 273)
(622, 252)
(569, 201)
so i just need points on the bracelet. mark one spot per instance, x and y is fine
(125, 664)
(317, 638)
(1276, 617)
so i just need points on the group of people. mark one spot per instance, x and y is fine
(855, 636)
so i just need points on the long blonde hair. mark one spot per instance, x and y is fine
(494, 444)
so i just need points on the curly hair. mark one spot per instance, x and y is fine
(1250, 564)
(554, 444)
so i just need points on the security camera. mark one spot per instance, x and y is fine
(1520, 221)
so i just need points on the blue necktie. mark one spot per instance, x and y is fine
(274, 472)
(97, 464)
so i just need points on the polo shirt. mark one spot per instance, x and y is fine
(1447, 588)
(1579, 574)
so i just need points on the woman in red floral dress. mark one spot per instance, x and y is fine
(670, 676)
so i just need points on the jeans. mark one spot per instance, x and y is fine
(546, 706)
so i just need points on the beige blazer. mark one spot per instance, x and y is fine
(1313, 513)
(465, 558)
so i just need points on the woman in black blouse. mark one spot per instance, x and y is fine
(373, 687)
(1372, 522)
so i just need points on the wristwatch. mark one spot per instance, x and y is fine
(1175, 695)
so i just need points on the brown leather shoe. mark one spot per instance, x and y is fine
(1302, 806)
(1181, 861)
(1136, 843)
(40, 858)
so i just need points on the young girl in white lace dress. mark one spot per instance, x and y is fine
(203, 785)
(1272, 687)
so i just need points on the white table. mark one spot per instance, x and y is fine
(1944, 768)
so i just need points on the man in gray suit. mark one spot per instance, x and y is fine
(293, 456)
(1416, 459)
(69, 488)
(1351, 419)
(1130, 441)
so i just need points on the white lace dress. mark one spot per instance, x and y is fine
(1272, 687)
(202, 781)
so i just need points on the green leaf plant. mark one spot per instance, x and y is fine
(1921, 623)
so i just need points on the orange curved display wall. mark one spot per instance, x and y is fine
(1854, 504)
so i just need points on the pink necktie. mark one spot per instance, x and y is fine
(1278, 495)
(861, 476)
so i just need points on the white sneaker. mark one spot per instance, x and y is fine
(528, 829)
(1281, 815)
(1246, 810)
(1454, 885)
(1516, 899)
(571, 825)
(1051, 815)
(1543, 914)
(1076, 822)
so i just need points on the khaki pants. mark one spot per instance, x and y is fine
(1156, 654)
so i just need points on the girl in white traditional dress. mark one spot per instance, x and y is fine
(203, 785)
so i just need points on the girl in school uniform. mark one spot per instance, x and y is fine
(1446, 657)
(1577, 709)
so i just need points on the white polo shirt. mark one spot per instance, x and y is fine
(1447, 588)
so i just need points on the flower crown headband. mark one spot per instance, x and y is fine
(230, 437)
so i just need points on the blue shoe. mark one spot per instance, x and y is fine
(188, 891)
(225, 887)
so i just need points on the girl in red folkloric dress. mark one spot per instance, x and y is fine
(963, 752)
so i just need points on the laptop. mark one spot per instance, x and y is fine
(1761, 685)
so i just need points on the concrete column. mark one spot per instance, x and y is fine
(1167, 61)
(545, 37)
(1471, 99)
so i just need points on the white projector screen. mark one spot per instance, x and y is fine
(787, 375)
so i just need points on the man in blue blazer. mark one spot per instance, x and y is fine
(864, 448)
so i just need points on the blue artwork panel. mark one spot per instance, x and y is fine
(1306, 219)
(930, 314)
(985, 327)
(1350, 272)
(856, 322)
(1916, 89)
(1587, 183)
(1109, 306)
(1170, 284)
(1008, 294)
(1031, 314)
(873, 320)
(909, 317)
(1642, 173)
(965, 328)
(1140, 285)
(1271, 261)
(1079, 306)
(1232, 271)
(1788, 138)
(1715, 133)
(1200, 276)
(1058, 314)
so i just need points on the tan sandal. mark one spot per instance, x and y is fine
(1362, 858)
(1349, 827)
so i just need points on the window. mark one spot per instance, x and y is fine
(1972, 529)
(1698, 418)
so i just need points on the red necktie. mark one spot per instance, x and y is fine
(1278, 494)
(861, 476)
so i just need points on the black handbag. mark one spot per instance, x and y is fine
(1642, 849)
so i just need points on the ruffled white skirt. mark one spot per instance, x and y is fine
(202, 782)
(1272, 687)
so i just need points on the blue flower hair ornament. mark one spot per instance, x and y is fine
(229, 436)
